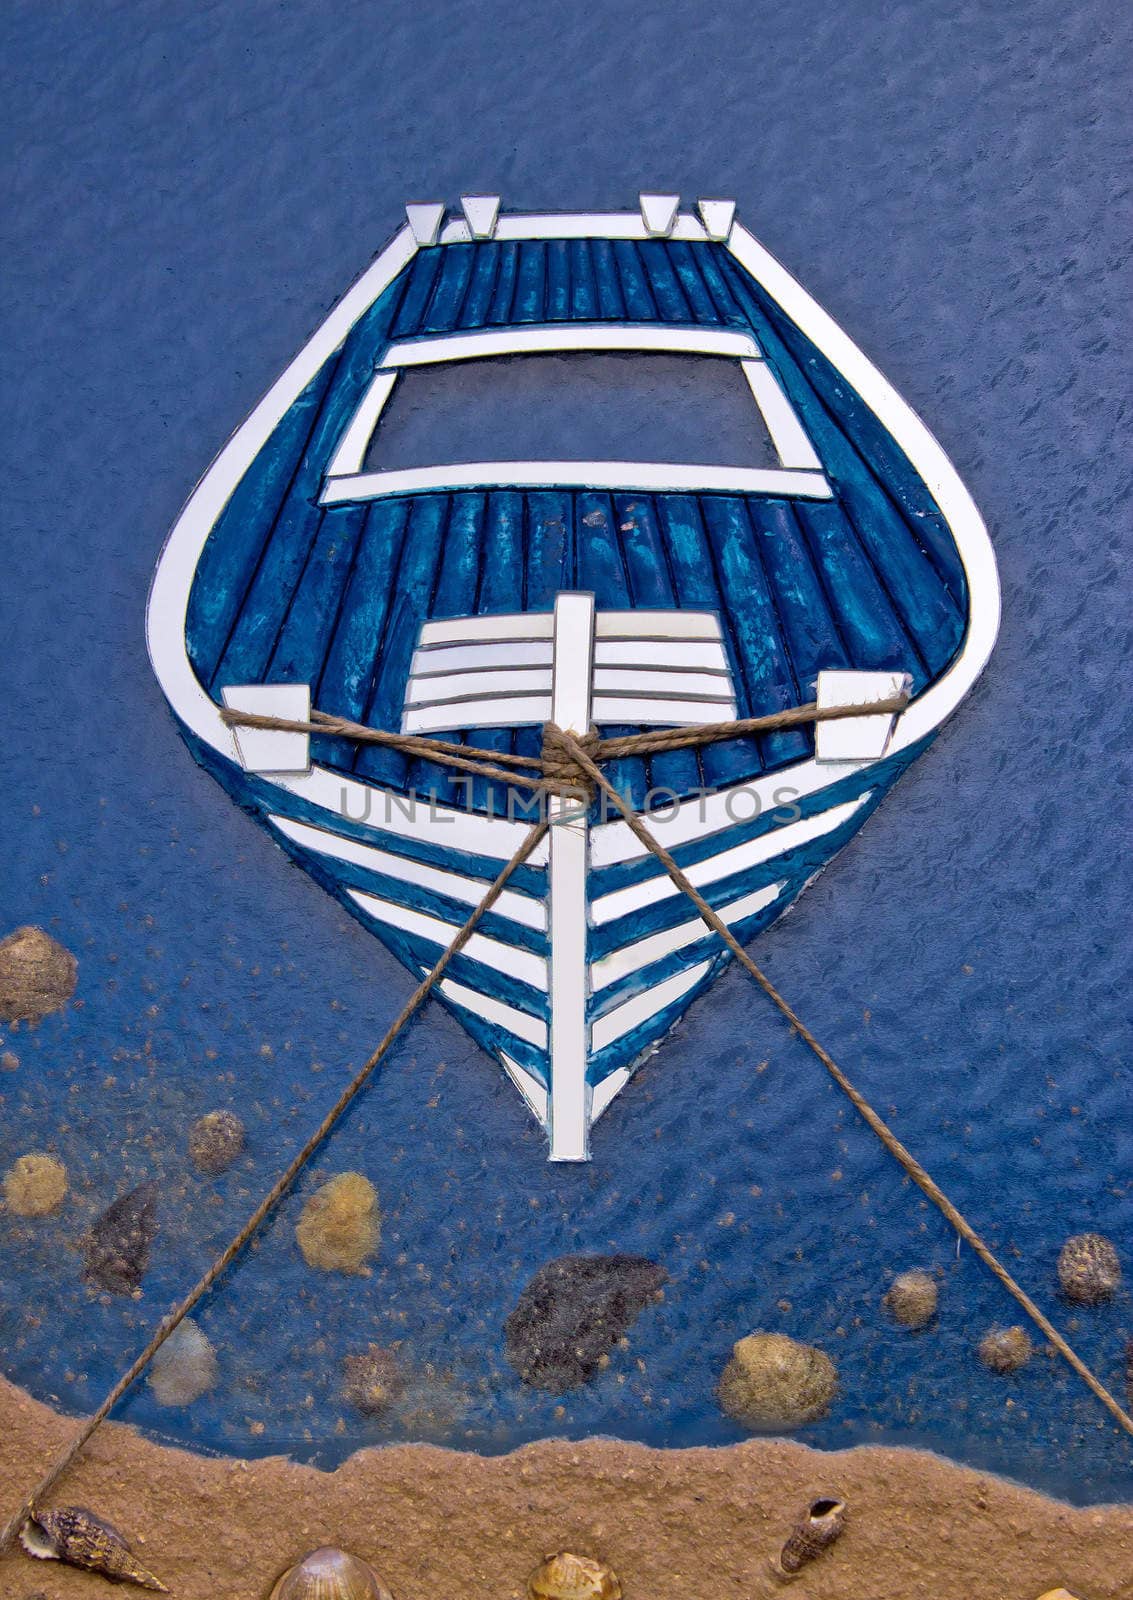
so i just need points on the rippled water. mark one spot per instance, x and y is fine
(964, 959)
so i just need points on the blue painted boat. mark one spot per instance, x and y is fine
(474, 600)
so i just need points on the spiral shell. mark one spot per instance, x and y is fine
(570, 1577)
(76, 1536)
(812, 1534)
(330, 1574)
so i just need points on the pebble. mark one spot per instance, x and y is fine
(572, 1311)
(340, 1227)
(184, 1368)
(1088, 1269)
(1006, 1349)
(215, 1140)
(35, 1185)
(773, 1382)
(37, 975)
(912, 1298)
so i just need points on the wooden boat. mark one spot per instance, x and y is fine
(473, 599)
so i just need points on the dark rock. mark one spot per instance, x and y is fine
(572, 1311)
(118, 1245)
(372, 1380)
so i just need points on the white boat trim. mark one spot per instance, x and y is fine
(565, 338)
(655, 477)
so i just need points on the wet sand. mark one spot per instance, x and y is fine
(676, 1524)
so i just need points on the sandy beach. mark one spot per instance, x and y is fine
(675, 1524)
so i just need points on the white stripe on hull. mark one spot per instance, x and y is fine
(521, 1023)
(514, 906)
(642, 952)
(624, 1018)
(506, 958)
(741, 858)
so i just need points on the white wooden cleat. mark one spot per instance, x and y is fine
(717, 217)
(481, 212)
(864, 738)
(659, 212)
(425, 219)
(270, 750)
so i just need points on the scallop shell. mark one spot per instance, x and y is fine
(330, 1574)
(569, 1577)
(75, 1535)
(814, 1533)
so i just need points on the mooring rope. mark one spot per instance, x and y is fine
(274, 1195)
(541, 772)
(575, 750)
(568, 764)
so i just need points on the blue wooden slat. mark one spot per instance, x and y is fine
(808, 626)
(611, 305)
(448, 294)
(697, 589)
(346, 681)
(663, 283)
(754, 624)
(583, 289)
(684, 257)
(305, 637)
(482, 283)
(926, 608)
(558, 280)
(501, 591)
(875, 639)
(500, 309)
(635, 285)
(711, 258)
(454, 595)
(228, 561)
(530, 300)
(651, 586)
(412, 591)
(420, 280)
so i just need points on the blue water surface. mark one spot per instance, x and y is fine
(189, 188)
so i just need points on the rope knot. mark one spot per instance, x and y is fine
(561, 771)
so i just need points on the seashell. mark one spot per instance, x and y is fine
(76, 1536)
(813, 1534)
(570, 1577)
(1088, 1269)
(37, 975)
(330, 1574)
(117, 1247)
(1058, 1594)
